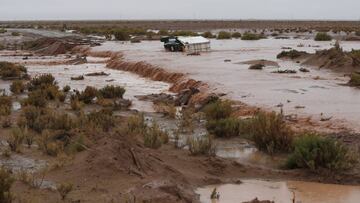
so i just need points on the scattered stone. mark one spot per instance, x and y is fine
(304, 70)
(81, 77)
(287, 71)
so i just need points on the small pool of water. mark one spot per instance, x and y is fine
(281, 192)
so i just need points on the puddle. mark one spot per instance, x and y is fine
(266, 89)
(245, 153)
(281, 192)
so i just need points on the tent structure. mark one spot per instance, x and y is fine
(186, 44)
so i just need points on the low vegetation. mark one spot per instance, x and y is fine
(322, 36)
(218, 110)
(355, 79)
(202, 145)
(314, 152)
(6, 181)
(17, 87)
(224, 35)
(154, 137)
(227, 127)
(16, 139)
(2, 30)
(236, 35)
(292, 54)
(5, 105)
(270, 133)
(10, 71)
(209, 35)
(252, 36)
(112, 92)
(64, 189)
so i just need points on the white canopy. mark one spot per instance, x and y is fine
(193, 40)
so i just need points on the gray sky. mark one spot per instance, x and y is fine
(180, 9)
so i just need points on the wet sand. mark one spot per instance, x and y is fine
(324, 97)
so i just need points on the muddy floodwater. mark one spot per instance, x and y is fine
(281, 192)
(133, 84)
(325, 96)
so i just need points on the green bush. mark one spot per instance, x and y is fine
(224, 35)
(35, 98)
(15, 34)
(201, 145)
(88, 95)
(236, 35)
(292, 54)
(112, 92)
(163, 33)
(355, 79)
(121, 35)
(184, 33)
(41, 82)
(12, 71)
(40, 119)
(17, 87)
(322, 36)
(218, 110)
(315, 152)
(5, 105)
(251, 36)
(228, 127)
(103, 119)
(64, 189)
(136, 124)
(208, 34)
(2, 30)
(66, 88)
(6, 181)
(270, 133)
(16, 139)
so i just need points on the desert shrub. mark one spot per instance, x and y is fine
(227, 127)
(2, 30)
(236, 35)
(218, 110)
(166, 108)
(224, 35)
(88, 95)
(29, 137)
(112, 92)
(154, 137)
(2, 47)
(61, 96)
(314, 152)
(136, 124)
(208, 34)
(16, 139)
(66, 88)
(35, 98)
(355, 79)
(41, 82)
(48, 144)
(75, 104)
(184, 33)
(76, 145)
(292, 54)
(201, 145)
(121, 35)
(40, 119)
(357, 33)
(251, 36)
(15, 34)
(17, 87)
(5, 105)
(163, 32)
(322, 36)
(10, 71)
(270, 133)
(64, 189)
(103, 119)
(6, 181)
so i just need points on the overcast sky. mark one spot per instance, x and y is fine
(180, 9)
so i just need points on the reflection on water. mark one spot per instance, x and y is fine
(282, 192)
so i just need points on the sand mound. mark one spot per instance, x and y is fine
(262, 62)
(336, 59)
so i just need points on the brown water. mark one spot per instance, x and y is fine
(261, 88)
(281, 192)
(133, 84)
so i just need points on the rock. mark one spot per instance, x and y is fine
(184, 96)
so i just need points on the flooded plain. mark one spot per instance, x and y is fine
(321, 93)
(281, 192)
